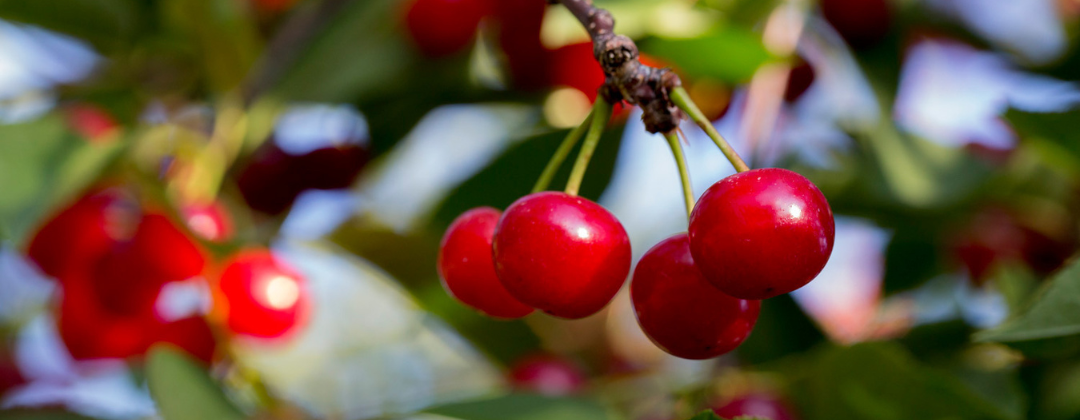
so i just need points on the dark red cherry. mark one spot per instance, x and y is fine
(562, 254)
(78, 236)
(466, 267)
(528, 60)
(761, 233)
(270, 181)
(756, 405)
(261, 296)
(683, 313)
(799, 81)
(862, 23)
(548, 375)
(444, 27)
(574, 66)
(332, 168)
(10, 374)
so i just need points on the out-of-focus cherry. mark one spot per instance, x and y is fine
(444, 27)
(73, 240)
(756, 405)
(548, 375)
(261, 296)
(210, 221)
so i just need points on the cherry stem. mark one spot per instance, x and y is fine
(684, 174)
(681, 98)
(561, 153)
(601, 113)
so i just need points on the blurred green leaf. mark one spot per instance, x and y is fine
(183, 390)
(782, 329)
(106, 24)
(511, 176)
(226, 36)
(361, 52)
(1016, 283)
(1049, 324)
(42, 165)
(912, 257)
(1052, 135)
(880, 381)
(731, 54)
(524, 407)
(706, 415)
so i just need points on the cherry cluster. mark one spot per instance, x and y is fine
(752, 236)
(114, 257)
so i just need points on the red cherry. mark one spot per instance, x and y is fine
(466, 266)
(91, 331)
(444, 27)
(574, 66)
(210, 221)
(562, 254)
(799, 81)
(270, 181)
(332, 168)
(862, 23)
(73, 240)
(683, 313)
(519, 36)
(10, 374)
(261, 296)
(756, 405)
(90, 121)
(548, 375)
(192, 335)
(761, 233)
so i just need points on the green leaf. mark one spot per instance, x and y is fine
(227, 39)
(104, 23)
(524, 407)
(1049, 326)
(880, 381)
(1052, 135)
(731, 54)
(41, 166)
(183, 390)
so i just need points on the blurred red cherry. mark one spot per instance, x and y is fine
(548, 375)
(193, 335)
(273, 179)
(799, 81)
(574, 66)
(995, 235)
(519, 37)
(10, 374)
(444, 27)
(90, 121)
(332, 168)
(261, 296)
(210, 221)
(74, 239)
(862, 23)
(756, 405)
(91, 331)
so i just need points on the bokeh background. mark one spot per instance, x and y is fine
(344, 136)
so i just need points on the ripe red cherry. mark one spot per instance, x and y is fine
(210, 221)
(548, 375)
(761, 233)
(862, 23)
(562, 254)
(273, 178)
(528, 60)
(444, 27)
(574, 66)
(467, 269)
(799, 81)
(755, 405)
(261, 296)
(73, 240)
(683, 313)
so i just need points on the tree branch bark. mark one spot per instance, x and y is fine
(628, 79)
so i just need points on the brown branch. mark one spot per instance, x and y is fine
(628, 79)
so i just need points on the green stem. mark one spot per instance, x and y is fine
(683, 101)
(560, 154)
(684, 174)
(601, 113)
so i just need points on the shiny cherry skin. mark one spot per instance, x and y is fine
(466, 267)
(444, 27)
(562, 254)
(756, 405)
(761, 233)
(862, 23)
(547, 375)
(260, 296)
(680, 311)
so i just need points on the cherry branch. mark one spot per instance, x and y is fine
(628, 79)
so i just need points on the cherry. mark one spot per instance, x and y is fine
(756, 405)
(261, 296)
(862, 23)
(761, 233)
(331, 168)
(210, 221)
(10, 374)
(192, 335)
(799, 81)
(444, 27)
(995, 235)
(467, 269)
(683, 313)
(548, 375)
(562, 254)
(574, 66)
(78, 236)
(90, 121)
(272, 179)
(520, 22)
